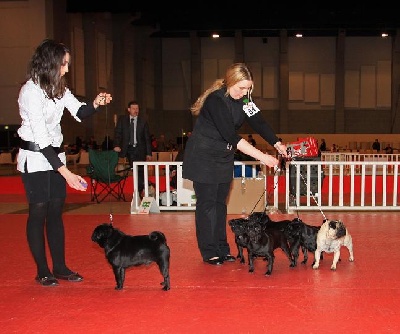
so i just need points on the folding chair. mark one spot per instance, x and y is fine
(105, 178)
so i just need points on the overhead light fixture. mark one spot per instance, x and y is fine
(215, 35)
(385, 34)
(299, 35)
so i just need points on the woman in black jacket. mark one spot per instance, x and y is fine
(209, 154)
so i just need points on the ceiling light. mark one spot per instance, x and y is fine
(215, 35)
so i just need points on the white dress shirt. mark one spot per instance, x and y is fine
(41, 119)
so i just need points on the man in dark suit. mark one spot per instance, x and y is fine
(132, 139)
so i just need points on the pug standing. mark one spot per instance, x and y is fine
(332, 235)
(123, 251)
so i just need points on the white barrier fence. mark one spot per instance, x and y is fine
(305, 186)
(356, 156)
(356, 186)
(181, 197)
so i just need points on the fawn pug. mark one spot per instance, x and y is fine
(332, 235)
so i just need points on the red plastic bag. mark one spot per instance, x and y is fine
(304, 147)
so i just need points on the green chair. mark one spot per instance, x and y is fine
(105, 178)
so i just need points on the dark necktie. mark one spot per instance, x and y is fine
(132, 132)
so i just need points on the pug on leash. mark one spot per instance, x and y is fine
(332, 235)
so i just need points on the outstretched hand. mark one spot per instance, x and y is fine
(270, 160)
(73, 180)
(102, 99)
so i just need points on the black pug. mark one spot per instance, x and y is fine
(279, 224)
(123, 251)
(261, 216)
(238, 227)
(300, 234)
(263, 240)
(264, 218)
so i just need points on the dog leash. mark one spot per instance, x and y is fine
(268, 194)
(311, 194)
(289, 158)
(108, 163)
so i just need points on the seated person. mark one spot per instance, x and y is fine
(388, 149)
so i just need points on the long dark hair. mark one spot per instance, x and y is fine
(44, 68)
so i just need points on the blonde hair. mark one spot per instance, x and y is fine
(235, 73)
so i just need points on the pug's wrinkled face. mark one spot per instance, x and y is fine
(101, 233)
(336, 229)
(331, 234)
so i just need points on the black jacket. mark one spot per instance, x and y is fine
(121, 136)
(209, 151)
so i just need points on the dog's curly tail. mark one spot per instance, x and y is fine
(157, 235)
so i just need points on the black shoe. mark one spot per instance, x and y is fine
(216, 261)
(74, 277)
(46, 281)
(228, 258)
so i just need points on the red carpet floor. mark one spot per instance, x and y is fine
(359, 297)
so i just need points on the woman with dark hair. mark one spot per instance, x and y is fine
(42, 100)
(209, 154)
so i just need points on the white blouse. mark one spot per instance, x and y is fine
(41, 119)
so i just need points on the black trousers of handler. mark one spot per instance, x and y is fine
(211, 211)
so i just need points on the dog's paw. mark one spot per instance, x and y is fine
(118, 287)
(351, 259)
(315, 266)
(333, 267)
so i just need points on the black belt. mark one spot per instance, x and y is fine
(31, 146)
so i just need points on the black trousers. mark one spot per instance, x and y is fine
(210, 219)
(132, 155)
(46, 193)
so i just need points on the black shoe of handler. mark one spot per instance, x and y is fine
(216, 261)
